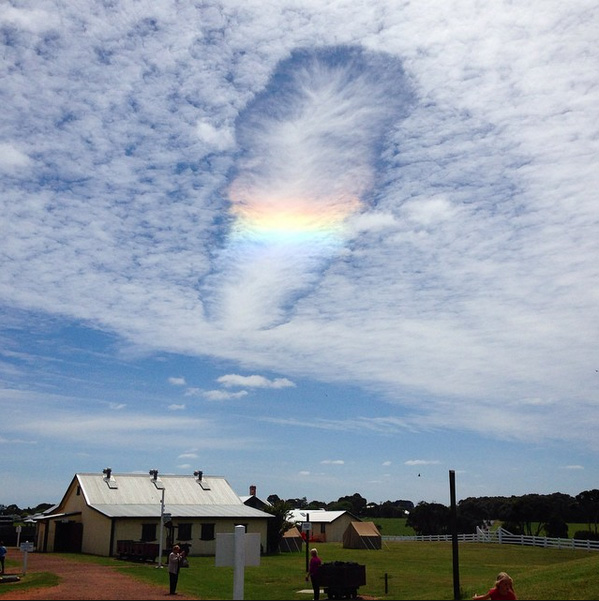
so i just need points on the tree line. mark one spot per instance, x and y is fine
(530, 514)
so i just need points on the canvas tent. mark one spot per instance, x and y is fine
(362, 535)
(291, 541)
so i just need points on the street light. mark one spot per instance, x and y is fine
(161, 530)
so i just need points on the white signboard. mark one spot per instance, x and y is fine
(225, 549)
(26, 546)
(306, 526)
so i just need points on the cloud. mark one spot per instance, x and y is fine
(333, 462)
(177, 381)
(233, 380)
(11, 158)
(421, 462)
(223, 395)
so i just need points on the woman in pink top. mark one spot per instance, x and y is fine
(313, 569)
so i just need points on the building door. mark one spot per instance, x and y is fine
(69, 536)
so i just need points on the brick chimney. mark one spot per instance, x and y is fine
(252, 490)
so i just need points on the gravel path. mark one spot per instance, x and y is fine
(82, 581)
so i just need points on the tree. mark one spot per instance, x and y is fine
(277, 526)
(429, 518)
(556, 527)
(588, 500)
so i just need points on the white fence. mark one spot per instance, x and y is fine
(504, 537)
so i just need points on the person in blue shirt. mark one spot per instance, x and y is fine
(2, 555)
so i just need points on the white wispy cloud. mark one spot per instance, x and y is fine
(234, 380)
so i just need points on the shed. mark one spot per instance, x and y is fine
(291, 541)
(327, 526)
(362, 535)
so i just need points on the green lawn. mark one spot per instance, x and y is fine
(410, 570)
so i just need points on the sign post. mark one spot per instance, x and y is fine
(306, 527)
(239, 549)
(25, 547)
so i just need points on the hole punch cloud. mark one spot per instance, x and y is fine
(309, 150)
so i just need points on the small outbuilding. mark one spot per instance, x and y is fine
(362, 535)
(291, 541)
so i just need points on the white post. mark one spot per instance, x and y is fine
(25, 558)
(161, 530)
(238, 562)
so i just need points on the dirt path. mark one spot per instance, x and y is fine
(82, 581)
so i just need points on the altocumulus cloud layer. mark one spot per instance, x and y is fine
(397, 196)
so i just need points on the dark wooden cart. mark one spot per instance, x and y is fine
(136, 550)
(341, 579)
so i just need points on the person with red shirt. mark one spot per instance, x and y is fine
(502, 591)
(313, 573)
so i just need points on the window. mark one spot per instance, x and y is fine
(184, 532)
(207, 532)
(323, 528)
(148, 532)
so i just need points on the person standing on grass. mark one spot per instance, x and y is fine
(2, 555)
(174, 563)
(313, 573)
(502, 591)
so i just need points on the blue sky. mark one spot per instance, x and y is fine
(316, 247)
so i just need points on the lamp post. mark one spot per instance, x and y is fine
(161, 530)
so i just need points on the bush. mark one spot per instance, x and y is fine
(586, 535)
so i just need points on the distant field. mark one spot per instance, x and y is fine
(392, 526)
(397, 527)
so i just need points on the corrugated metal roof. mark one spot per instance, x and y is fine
(181, 511)
(139, 489)
(136, 495)
(319, 516)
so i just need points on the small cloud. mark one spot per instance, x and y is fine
(193, 392)
(231, 380)
(184, 466)
(572, 467)
(177, 381)
(333, 462)
(11, 158)
(217, 139)
(421, 462)
(304, 473)
(222, 395)
(117, 406)
(386, 463)
(16, 441)
(188, 456)
(175, 407)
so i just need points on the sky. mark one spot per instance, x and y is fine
(317, 247)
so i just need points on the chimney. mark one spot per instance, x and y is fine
(253, 490)
(107, 472)
(198, 474)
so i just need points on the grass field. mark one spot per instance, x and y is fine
(404, 570)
